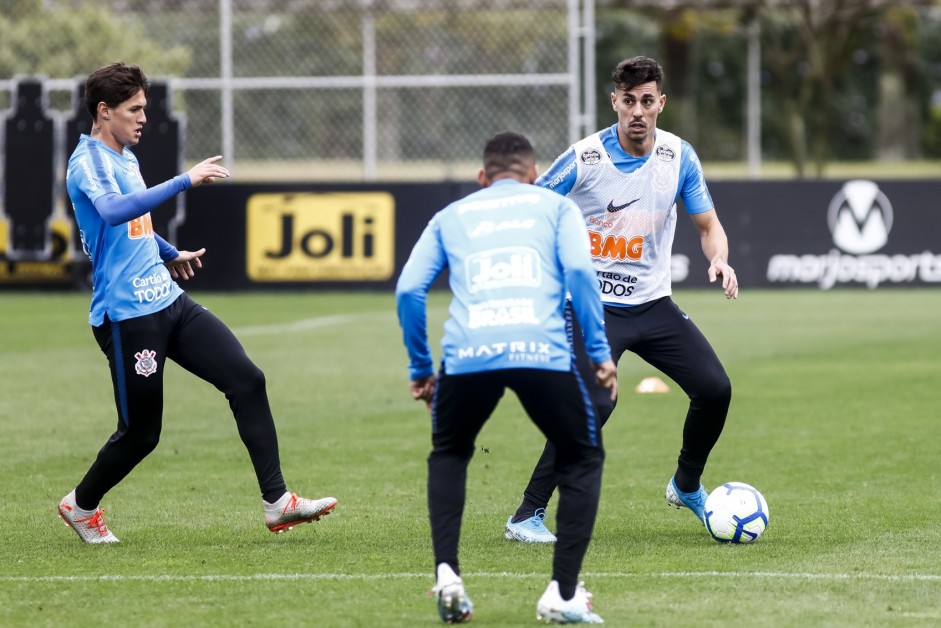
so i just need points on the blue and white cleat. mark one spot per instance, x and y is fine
(552, 609)
(531, 530)
(695, 501)
(454, 606)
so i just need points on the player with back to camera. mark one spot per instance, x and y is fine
(512, 251)
(626, 179)
(140, 316)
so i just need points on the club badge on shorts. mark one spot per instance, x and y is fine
(146, 364)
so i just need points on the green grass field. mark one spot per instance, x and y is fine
(835, 418)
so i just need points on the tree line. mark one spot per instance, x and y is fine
(840, 80)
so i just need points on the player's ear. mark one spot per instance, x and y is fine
(482, 179)
(614, 100)
(533, 174)
(103, 112)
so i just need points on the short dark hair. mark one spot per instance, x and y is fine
(112, 85)
(636, 71)
(508, 152)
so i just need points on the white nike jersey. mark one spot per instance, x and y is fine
(631, 218)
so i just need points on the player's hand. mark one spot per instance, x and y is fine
(606, 374)
(184, 265)
(424, 389)
(207, 171)
(719, 267)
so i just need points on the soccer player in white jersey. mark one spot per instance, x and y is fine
(140, 316)
(626, 179)
(512, 251)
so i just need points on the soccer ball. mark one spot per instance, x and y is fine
(736, 513)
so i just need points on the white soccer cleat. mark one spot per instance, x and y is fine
(89, 525)
(292, 510)
(552, 609)
(454, 607)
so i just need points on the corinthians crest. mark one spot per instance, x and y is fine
(146, 364)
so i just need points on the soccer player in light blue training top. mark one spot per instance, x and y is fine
(140, 316)
(512, 251)
(626, 179)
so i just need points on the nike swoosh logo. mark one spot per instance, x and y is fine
(616, 208)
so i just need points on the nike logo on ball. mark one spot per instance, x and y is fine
(616, 208)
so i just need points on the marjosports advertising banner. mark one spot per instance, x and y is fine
(821, 234)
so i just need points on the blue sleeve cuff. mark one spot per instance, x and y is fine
(168, 252)
(420, 372)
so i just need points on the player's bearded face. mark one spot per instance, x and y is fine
(637, 109)
(127, 120)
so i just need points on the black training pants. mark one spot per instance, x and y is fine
(194, 338)
(665, 337)
(557, 402)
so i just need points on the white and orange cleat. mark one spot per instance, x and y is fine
(88, 524)
(291, 510)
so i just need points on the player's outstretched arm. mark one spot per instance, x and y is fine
(117, 208)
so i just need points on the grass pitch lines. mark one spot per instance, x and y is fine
(295, 326)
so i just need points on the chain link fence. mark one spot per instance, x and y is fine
(353, 90)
